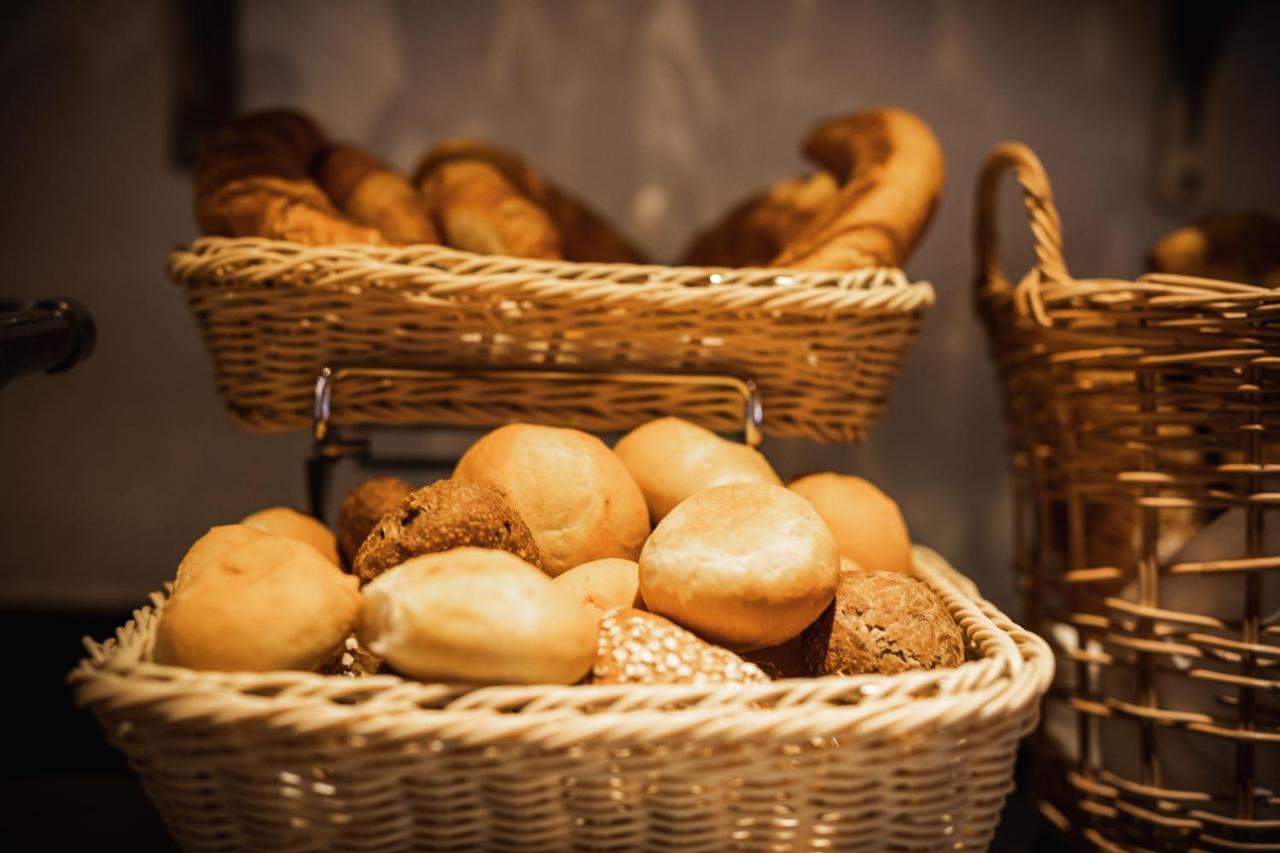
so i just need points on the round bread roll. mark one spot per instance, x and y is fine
(640, 648)
(744, 565)
(363, 507)
(604, 584)
(268, 603)
(882, 622)
(672, 459)
(867, 524)
(210, 548)
(283, 521)
(440, 517)
(477, 615)
(572, 491)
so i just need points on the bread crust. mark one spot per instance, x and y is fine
(362, 508)
(642, 648)
(374, 194)
(868, 525)
(286, 521)
(605, 584)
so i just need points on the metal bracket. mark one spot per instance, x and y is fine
(328, 447)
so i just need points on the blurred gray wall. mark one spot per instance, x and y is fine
(662, 113)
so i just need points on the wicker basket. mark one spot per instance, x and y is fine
(823, 347)
(296, 761)
(1145, 421)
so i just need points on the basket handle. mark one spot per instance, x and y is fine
(1046, 228)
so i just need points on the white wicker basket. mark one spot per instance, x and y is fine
(298, 761)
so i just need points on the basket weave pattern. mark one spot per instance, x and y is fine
(823, 347)
(1145, 422)
(296, 761)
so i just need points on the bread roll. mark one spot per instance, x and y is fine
(477, 615)
(785, 660)
(604, 584)
(440, 517)
(640, 648)
(210, 548)
(882, 622)
(890, 168)
(867, 524)
(374, 194)
(1242, 247)
(744, 565)
(479, 210)
(268, 603)
(363, 507)
(283, 521)
(672, 459)
(351, 660)
(572, 491)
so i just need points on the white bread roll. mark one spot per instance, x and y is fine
(744, 565)
(867, 524)
(571, 490)
(267, 603)
(604, 584)
(283, 521)
(672, 459)
(477, 615)
(210, 548)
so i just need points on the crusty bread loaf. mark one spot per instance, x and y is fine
(440, 517)
(890, 168)
(270, 602)
(251, 180)
(868, 525)
(572, 491)
(641, 648)
(604, 584)
(477, 615)
(363, 507)
(478, 209)
(374, 194)
(882, 622)
(745, 565)
(284, 521)
(672, 459)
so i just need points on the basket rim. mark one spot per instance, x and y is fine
(1014, 671)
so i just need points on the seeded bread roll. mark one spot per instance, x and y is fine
(640, 648)
(672, 459)
(604, 584)
(882, 622)
(363, 507)
(268, 603)
(440, 517)
(744, 565)
(283, 521)
(480, 616)
(867, 524)
(572, 491)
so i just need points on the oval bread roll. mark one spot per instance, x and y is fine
(210, 548)
(604, 584)
(672, 459)
(744, 565)
(269, 603)
(283, 521)
(867, 524)
(480, 616)
(572, 491)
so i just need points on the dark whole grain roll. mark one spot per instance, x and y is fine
(363, 507)
(440, 517)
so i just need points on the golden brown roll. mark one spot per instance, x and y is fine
(374, 194)
(744, 565)
(1243, 247)
(283, 521)
(640, 648)
(572, 491)
(363, 507)
(210, 548)
(269, 603)
(440, 517)
(478, 209)
(480, 616)
(890, 168)
(251, 180)
(867, 524)
(604, 584)
(882, 622)
(672, 459)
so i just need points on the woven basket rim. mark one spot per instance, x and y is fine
(1015, 669)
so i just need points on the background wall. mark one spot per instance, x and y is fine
(662, 113)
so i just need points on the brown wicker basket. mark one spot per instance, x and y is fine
(1145, 430)
(297, 761)
(822, 347)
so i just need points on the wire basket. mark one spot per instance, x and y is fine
(824, 347)
(298, 761)
(1144, 418)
